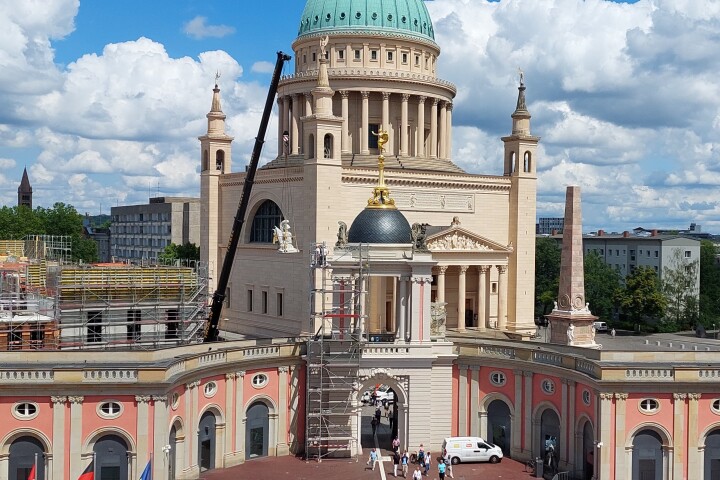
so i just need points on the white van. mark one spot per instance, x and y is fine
(471, 449)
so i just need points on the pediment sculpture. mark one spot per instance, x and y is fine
(456, 241)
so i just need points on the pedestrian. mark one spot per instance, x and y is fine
(404, 461)
(373, 458)
(396, 462)
(386, 406)
(612, 332)
(378, 414)
(374, 424)
(448, 464)
(417, 474)
(441, 470)
(396, 444)
(421, 456)
(428, 459)
(391, 419)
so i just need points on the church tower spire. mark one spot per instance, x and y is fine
(25, 191)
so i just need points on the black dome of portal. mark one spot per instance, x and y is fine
(380, 225)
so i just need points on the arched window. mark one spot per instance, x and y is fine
(24, 452)
(257, 431)
(647, 455)
(311, 146)
(220, 160)
(205, 164)
(266, 218)
(328, 146)
(206, 442)
(712, 455)
(513, 162)
(526, 162)
(111, 456)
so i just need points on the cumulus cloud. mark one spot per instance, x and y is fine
(198, 29)
(262, 67)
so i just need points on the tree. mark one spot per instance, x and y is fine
(709, 284)
(680, 289)
(642, 298)
(601, 283)
(188, 251)
(547, 273)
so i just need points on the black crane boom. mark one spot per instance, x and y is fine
(211, 329)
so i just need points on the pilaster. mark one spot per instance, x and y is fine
(240, 417)
(563, 456)
(679, 434)
(76, 422)
(695, 456)
(229, 420)
(160, 434)
(461, 298)
(606, 427)
(527, 413)
(475, 402)
(516, 447)
(143, 420)
(282, 445)
(59, 405)
(462, 401)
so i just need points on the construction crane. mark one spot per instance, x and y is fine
(211, 329)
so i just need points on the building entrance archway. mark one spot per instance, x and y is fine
(26, 452)
(393, 414)
(647, 456)
(712, 455)
(550, 439)
(257, 430)
(499, 425)
(206, 442)
(111, 458)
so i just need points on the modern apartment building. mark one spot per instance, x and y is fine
(141, 232)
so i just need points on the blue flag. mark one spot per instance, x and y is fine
(147, 473)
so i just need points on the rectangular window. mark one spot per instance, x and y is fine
(358, 55)
(404, 58)
(264, 298)
(373, 139)
(373, 54)
(417, 60)
(602, 251)
(656, 254)
(390, 56)
(304, 58)
(314, 57)
(133, 325)
(648, 253)
(341, 54)
(249, 300)
(493, 287)
(687, 254)
(617, 252)
(94, 327)
(171, 330)
(640, 252)
(279, 300)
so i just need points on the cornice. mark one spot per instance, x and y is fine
(449, 182)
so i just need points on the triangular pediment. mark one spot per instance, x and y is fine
(456, 238)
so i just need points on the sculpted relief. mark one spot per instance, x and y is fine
(455, 241)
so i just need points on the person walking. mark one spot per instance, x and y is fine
(417, 474)
(373, 458)
(428, 459)
(374, 424)
(441, 470)
(404, 461)
(396, 462)
(448, 464)
(396, 444)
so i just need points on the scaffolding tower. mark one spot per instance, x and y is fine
(334, 352)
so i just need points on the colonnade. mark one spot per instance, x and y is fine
(484, 294)
(411, 140)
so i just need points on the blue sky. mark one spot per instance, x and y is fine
(103, 101)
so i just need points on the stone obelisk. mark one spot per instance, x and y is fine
(571, 322)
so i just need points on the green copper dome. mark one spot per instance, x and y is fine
(405, 17)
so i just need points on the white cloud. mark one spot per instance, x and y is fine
(7, 163)
(262, 67)
(198, 28)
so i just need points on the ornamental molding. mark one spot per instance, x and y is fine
(159, 398)
(450, 182)
(192, 385)
(143, 398)
(76, 399)
(680, 396)
(230, 376)
(457, 238)
(694, 396)
(283, 369)
(58, 400)
(621, 396)
(606, 396)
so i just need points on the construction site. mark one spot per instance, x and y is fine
(49, 303)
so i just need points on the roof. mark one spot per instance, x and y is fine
(405, 17)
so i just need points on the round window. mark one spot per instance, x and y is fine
(498, 379)
(109, 409)
(210, 389)
(259, 380)
(586, 397)
(25, 410)
(548, 386)
(716, 406)
(649, 406)
(342, 16)
(174, 400)
(358, 15)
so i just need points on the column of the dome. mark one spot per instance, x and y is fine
(502, 297)
(461, 299)
(285, 117)
(404, 125)
(482, 297)
(308, 103)
(280, 126)
(365, 116)
(433, 129)
(345, 140)
(420, 151)
(295, 146)
(448, 132)
(442, 135)
(386, 118)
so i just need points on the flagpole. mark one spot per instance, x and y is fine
(36, 467)
(94, 466)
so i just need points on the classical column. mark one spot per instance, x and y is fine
(679, 433)
(441, 283)
(448, 132)
(502, 297)
(230, 425)
(385, 110)
(516, 435)
(282, 445)
(482, 296)
(345, 146)
(295, 133)
(280, 125)
(58, 446)
(475, 401)
(365, 119)
(695, 454)
(143, 421)
(404, 125)
(160, 435)
(76, 421)
(308, 103)
(462, 401)
(402, 311)
(527, 414)
(240, 418)
(285, 117)
(620, 408)
(420, 151)
(443, 130)
(434, 129)
(605, 427)
(461, 299)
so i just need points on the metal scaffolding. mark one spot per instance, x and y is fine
(334, 353)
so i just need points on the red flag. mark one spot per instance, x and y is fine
(89, 472)
(32, 474)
